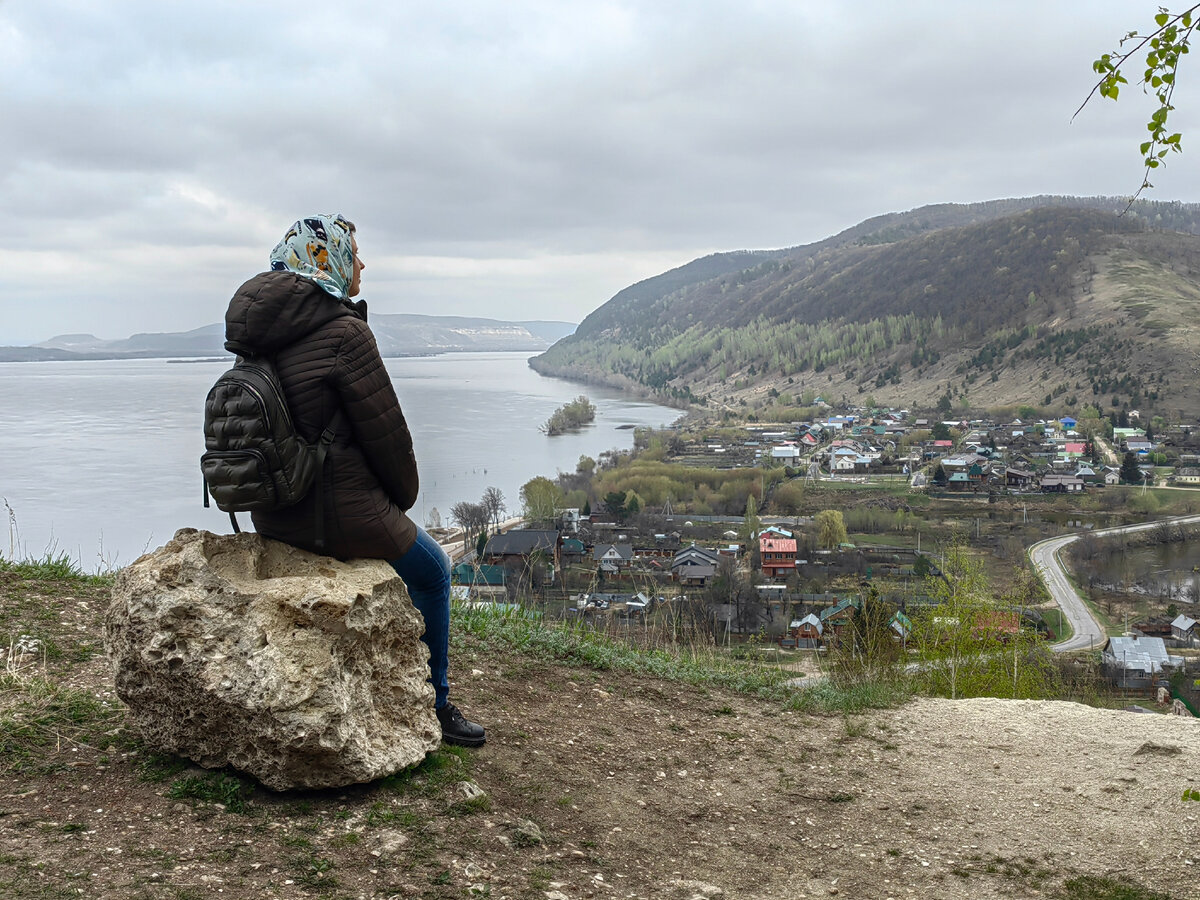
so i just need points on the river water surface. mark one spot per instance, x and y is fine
(100, 459)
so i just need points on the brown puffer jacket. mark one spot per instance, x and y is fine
(332, 375)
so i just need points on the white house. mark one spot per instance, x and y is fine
(617, 555)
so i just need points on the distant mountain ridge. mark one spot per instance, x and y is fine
(397, 335)
(1035, 301)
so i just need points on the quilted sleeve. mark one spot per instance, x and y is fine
(369, 401)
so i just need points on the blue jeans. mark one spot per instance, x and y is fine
(425, 569)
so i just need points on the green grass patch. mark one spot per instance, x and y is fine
(39, 719)
(1056, 620)
(471, 805)
(51, 567)
(827, 698)
(313, 871)
(708, 667)
(440, 769)
(381, 813)
(155, 768)
(579, 645)
(213, 787)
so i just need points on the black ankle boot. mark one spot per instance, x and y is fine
(457, 730)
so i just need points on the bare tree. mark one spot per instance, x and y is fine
(472, 518)
(493, 501)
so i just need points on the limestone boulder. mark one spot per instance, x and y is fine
(301, 670)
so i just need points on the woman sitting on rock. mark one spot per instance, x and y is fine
(300, 314)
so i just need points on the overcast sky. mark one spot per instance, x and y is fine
(521, 159)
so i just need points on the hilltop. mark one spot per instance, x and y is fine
(1048, 300)
(598, 780)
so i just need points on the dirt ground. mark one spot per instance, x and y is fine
(595, 785)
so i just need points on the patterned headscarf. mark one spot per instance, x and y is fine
(318, 248)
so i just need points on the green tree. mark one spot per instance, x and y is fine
(570, 416)
(940, 431)
(750, 521)
(1164, 46)
(540, 498)
(869, 649)
(614, 502)
(947, 633)
(970, 642)
(831, 528)
(1130, 473)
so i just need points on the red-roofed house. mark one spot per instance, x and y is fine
(778, 555)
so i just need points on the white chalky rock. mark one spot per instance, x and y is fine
(301, 670)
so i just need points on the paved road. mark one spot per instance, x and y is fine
(1087, 631)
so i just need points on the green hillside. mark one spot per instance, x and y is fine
(1044, 300)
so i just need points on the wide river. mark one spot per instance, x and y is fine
(100, 459)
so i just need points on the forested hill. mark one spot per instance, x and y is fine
(1007, 302)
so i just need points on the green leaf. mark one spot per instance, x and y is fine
(1145, 148)
(1156, 82)
(1161, 19)
(1187, 19)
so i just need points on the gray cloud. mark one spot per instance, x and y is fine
(518, 160)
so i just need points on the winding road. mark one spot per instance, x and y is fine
(1087, 631)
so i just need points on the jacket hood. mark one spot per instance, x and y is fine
(275, 309)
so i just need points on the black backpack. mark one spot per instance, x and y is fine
(254, 460)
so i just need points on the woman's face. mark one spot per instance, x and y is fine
(359, 265)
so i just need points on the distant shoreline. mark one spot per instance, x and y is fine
(37, 354)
